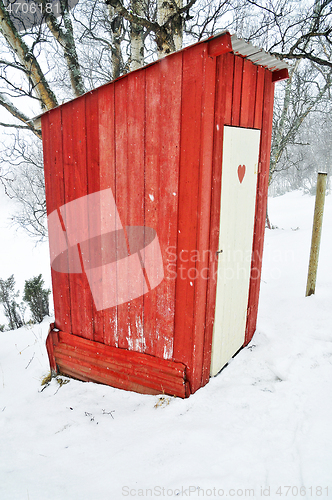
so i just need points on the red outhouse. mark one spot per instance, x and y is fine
(156, 189)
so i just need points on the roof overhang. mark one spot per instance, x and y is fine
(259, 57)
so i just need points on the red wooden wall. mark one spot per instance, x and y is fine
(155, 138)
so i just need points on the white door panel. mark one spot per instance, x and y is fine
(237, 213)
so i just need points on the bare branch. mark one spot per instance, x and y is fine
(13, 125)
(186, 7)
(14, 65)
(304, 55)
(133, 18)
(9, 106)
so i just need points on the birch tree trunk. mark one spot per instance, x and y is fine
(27, 59)
(64, 35)
(170, 36)
(116, 33)
(136, 37)
(178, 29)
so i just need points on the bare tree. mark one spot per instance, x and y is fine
(23, 181)
(306, 90)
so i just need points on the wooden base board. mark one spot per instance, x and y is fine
(92, 361)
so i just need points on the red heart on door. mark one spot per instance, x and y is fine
(241, 172)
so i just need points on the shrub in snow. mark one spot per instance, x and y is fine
(36, 297)
(8, 298)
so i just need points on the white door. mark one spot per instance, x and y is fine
(237, 213)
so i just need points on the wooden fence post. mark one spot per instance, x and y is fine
(316, 233)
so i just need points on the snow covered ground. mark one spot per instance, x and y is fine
(260, 429)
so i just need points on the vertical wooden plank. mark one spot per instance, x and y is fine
(130, 116)
(248, 94)
(261, 202)
(204, 216)
(228, 62)
(237, 91)
(107, 180)
(136, 154)
(121, 181)
(153, 314)
(162, 145)
(170, 129)
(55, 197)
(223, 116)
(94, 186)
(188, 202)
(75, 179)
(259, 97)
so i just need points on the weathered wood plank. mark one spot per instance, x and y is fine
(163, 115)
(153, 315)
(86, 373)
(237, 91)
(75, 179)
(129, 133)
(259, 97)
(121, 357)
(94, 186)
(99, 362)
(202, 256)
(121, 183)
(55, 197)
(248, 94)
(106, 125)
(90, 360)
(188, 203)
(135, 201)
(261, 203)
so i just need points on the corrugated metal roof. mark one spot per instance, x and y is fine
(256, 55)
